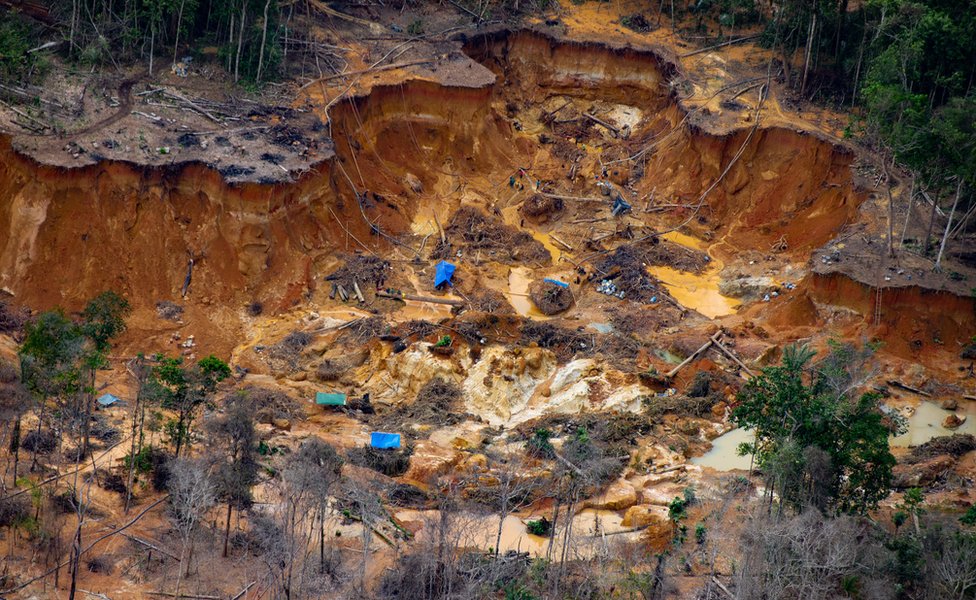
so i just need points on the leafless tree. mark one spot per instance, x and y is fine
(808, 556)
(192, 494)
(954, 568)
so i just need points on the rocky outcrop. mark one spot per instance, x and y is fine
(618, 496)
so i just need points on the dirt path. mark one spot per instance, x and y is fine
(125, 97)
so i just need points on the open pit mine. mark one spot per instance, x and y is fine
(469, 300)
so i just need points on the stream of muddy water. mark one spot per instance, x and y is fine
(697, 291)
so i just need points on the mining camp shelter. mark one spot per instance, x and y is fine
(330, 399)
(381, 440)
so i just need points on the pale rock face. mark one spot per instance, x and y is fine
(409, 370)
(643, 515)
(618, 496)
(502, 383)
(429, 460)
(507, 388)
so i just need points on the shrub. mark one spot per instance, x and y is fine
(14, 510)
(540, 527)
(539, 444)
(391, 463)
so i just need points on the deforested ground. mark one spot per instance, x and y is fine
(673, 231)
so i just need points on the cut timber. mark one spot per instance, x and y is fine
(343, 294)
(731, 354)
(688, 360)
(574, 198)
(151, 546)
(723, 588)
(967, 397)
(183, 595)
(192, 105)
(909, 388)
(723, 44)
(611, 128)
(399, 65)
(560, 242)
(440, 230)
(359, 293)
(431, 299)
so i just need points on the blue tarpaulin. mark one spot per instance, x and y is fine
(620, 206)
(326, 399)
(107, 400)
(378, 439)
(444, 272)
(556, 282)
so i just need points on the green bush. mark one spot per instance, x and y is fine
(15, 63)
(541, 527)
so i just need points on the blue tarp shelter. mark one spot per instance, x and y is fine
(444, 273)
(561, 284)
(327, 399)
(107, 400)
(620, 206)
(378, 439)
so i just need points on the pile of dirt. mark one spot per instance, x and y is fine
(437, 403)
(11, 319)
(954, 445)
(334, 367)
(170, 311)
(565, 343)
(490, 301)
(391, 463)
(658, 252)
(636, 22)
(627, 268)
(271, 405)
(368, 271)
(474, 230)
(285, 356)
(655, 407)
(416, 329)
(550, 298)
(364, 330)
(640, 322)
(540, 209)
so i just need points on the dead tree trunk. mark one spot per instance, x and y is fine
(264, 38)
(945, 236)
(240, 43)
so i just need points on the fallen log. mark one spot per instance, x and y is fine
(968, 397)
(400, 65)
(560, 242)
(908, 388)
(731, 355)
(723, 44)
(688, 360)
(151, 546)
(431, 299)
(611, 128)
(184, 595)
(192, 105)
(574, 198)
(722, 587)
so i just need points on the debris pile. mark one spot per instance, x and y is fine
(550, 298)
(478, 231)
(606, 286)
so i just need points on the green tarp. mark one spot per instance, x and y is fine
(325, 399)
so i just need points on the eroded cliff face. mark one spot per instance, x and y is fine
(409, 149)
(927, 326)
(71, 232)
